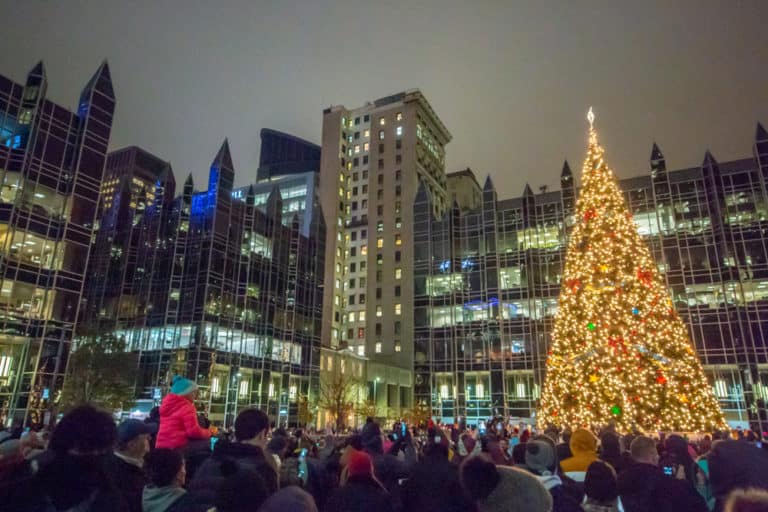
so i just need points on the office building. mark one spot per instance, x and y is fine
(373, 159)
(52, 162)
(487, 282)
(209, 287)
(292, 165)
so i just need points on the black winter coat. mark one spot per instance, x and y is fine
(644, 487)
(127, 478)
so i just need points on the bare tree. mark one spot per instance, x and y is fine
(338, 395)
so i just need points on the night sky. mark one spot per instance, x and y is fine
(511, 80)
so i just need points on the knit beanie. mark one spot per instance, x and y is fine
(503, 489)
(600, 482)
(359, 464)
(182, 386)
(540, 457)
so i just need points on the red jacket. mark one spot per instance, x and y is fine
(178, 423)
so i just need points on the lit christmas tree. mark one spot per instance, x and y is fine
(620, 353)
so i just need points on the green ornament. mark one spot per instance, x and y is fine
(591, 326)
(615, 410)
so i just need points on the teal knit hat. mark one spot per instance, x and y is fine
(182, 386)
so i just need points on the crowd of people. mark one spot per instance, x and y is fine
(174, 461)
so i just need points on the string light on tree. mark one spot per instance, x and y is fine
(619, 351)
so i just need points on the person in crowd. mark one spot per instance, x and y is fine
(276, 448)
(178, 416)
(583, 446)
(433, 485)
(125, 466)
(466, 447)
(643, 485)
(389, 469)
(600, 487)
(677, 455)
(251, 430)
(518, 454)
(360, 490)
(736, 465)
(563, 448)
(612, 451)
(290, 499)
(747, 500)
(541, 460)
(241, 490)
(165, 491)
(74, 478)
(501, 488)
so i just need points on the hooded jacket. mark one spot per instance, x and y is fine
(178, 423)
(644, 487)
(584, 449)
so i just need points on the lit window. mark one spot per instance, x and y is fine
(398, 240)
(271, 390)
(378, 348)
(361, 316)
(382, 122)
(444, 392)
(357, 148)
(480, 390)
(398, 347)
(292, 392)
(399, 116)
(244, 387)
(398, 273)
(380, 242)
(361, 350)
(399, 131)
(381, 134)
(366, 146)
(721, 389)
(367, 133)
(361, 332)
(364, 250)
(215, 386)
(379, 312)
(5, 366)
(398, 309)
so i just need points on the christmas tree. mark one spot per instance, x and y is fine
(620, 353)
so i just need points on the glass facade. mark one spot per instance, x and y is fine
(487, 280)
(51, 166)
(211, 287)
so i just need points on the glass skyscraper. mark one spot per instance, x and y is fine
(486, 283)
(51, 165)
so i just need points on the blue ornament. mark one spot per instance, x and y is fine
(635, 311)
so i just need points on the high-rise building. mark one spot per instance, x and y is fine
(373, 159)
(292, 166)
(51, 162)
(487, 281)
(209, 287)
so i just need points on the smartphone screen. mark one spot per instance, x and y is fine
(668, 470)
(213, 442)
(403, 428)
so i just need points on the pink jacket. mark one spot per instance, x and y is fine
(178, 423)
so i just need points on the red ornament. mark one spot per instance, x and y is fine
(590, 214)
(661, 379)
(645, 276)
(573, 284)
